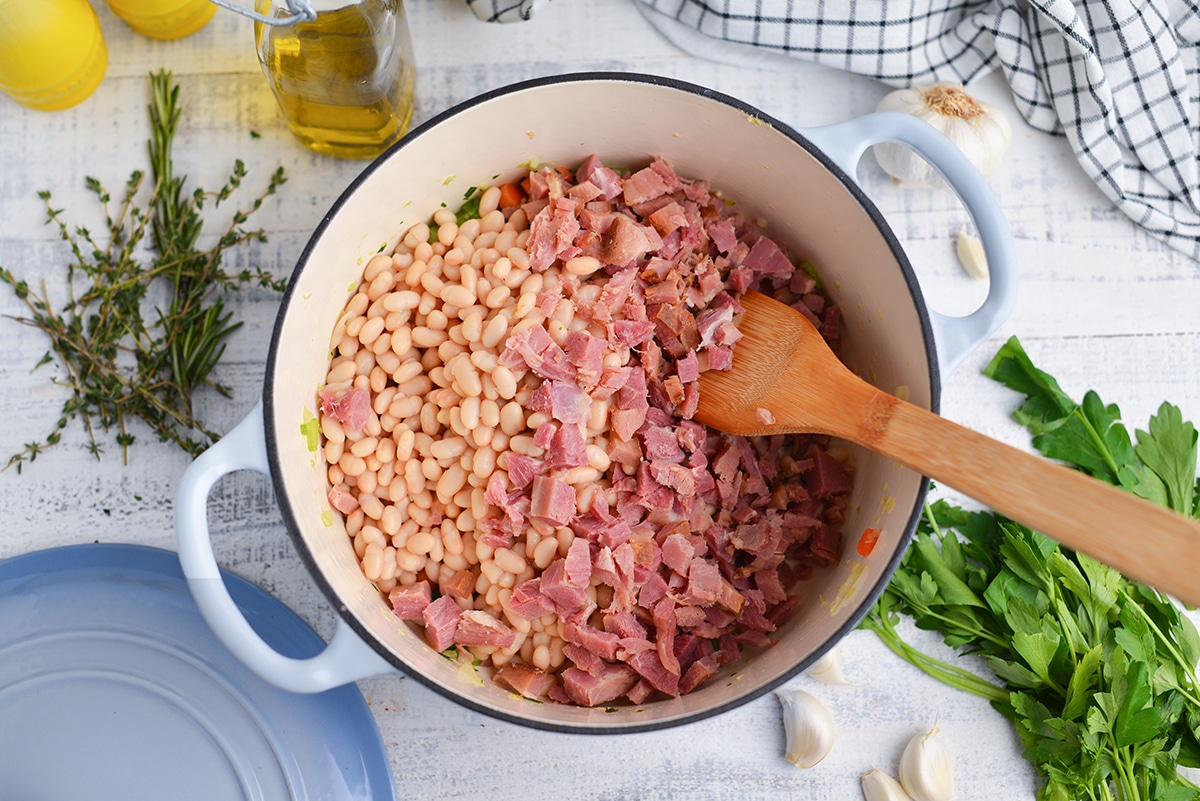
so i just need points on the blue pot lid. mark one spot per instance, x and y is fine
(112, 686)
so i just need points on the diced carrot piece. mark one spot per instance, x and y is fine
(866, 543)
(511, 195)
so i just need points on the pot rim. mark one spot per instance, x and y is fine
(289, 516)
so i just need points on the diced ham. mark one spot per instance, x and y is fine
(615, 534)
(539, 399)
(584, 191)
(723, 235)
(525, 681)
(664, 638)
(626, 241)
(567, 598)
(651, 668)
(826, 545)
(521, 469)
(698, 672)
(640, 692)
(533, 348)
(456, 583)
(602, 643)
(551, 232)
(704, 581)
(677, 553)
(624, 625)
(691, 401)
(341, 499)
(674, 388)
(545, 435)
(719, 358)
(826, 476)
(604, 567)
(611, 380)
(568, 403)
(528, 601)
(674, 476)
(586, 352)
(710, 320)
(630, 333)
(409, 601)
(352, 407)
(481, 628)
(765, 258)
(616, 291)
(587, 690)
(626, 422)
(567, 448)
(552, 500)
(667, 218)
(547, 300)
(654, 589)
(688, 368)
(688, 616)
(441, 622)
(584, 659)
(593, 171)
(660, 442)
(578, 563)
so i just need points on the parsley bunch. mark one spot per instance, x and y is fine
(1097, 672)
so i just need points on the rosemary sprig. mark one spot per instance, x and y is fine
(122, 358)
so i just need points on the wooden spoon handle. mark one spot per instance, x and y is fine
(1141, 539)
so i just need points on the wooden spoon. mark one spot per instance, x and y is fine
(782, 365)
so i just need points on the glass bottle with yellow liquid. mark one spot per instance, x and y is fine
(342, 72)
(52, 52)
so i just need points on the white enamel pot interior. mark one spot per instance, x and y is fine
(774, 173)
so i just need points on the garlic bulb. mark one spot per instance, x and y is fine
(808, 726)
(829, 667)
(925, 769)
(980, 131)
(878, 786)
(970, 255)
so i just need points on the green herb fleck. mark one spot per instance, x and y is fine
(811, 269)
(310, 429)
(470, 208)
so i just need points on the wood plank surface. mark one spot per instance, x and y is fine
(1102, 305)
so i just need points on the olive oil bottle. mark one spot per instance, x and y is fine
(344, 80)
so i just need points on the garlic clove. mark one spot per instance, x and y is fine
(926, 772)
(979, 130)
(878, 786)
(808, 726)
(970, 255)
(828, 668)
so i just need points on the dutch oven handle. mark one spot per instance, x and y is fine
(347, 658)
(845, 143)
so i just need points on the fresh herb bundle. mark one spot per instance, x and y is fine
(1097, 672)
(122, 359)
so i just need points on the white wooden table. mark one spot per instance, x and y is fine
(1102, 306)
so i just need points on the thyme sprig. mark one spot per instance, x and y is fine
(123, 358)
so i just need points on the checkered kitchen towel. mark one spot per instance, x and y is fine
(1119, 78)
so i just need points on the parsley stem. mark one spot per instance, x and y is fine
(945, 673)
